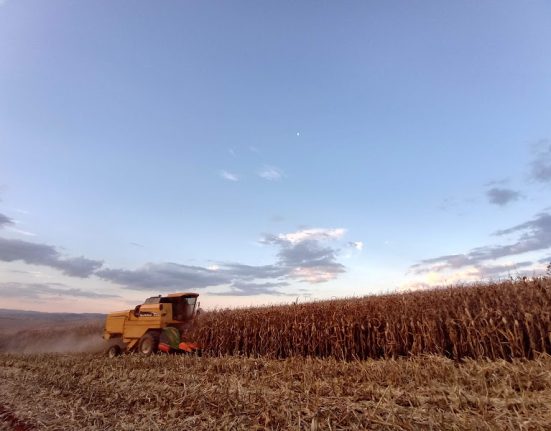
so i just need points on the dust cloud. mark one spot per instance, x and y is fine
(78, 339)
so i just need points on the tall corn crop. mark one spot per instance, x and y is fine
(510, 319)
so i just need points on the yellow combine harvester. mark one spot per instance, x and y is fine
(157, 324)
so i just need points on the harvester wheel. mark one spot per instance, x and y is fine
(149, 343)
(113, 351)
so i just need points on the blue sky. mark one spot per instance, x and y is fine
(258, 152)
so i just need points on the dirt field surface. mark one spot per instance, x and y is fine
(161, 392)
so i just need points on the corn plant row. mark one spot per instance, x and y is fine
(510, 319)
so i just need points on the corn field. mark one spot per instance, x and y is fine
(506, 320)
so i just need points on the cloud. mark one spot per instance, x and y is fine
(500, 182)
(173, 276)
(5, 220)
(229, 176)
(20, 211)
(540, 167)
(249, 289)
(413, 286)
(8, 223)
(164, 276)
(239, 271)
(310, 261)
(316, 234)
(534, 235)
(358, 245)
(41, 254)
(492, 271)
(301, 255)
(469, 274)
(44, 290)
(304, 257)
(455, 206)
(21, 232)
(501, 196)
(270, 173)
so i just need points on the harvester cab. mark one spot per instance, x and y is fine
(160, 323)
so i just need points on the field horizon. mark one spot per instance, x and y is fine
(503, 319)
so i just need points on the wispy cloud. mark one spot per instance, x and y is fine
(491, 271)
(164, 276)
(540, 167)
(317, 234)
(271, 173)
(47, 290)
(20, 211)
(20, 231)
(12, 250)
(249, 289)
(358, 245)
(9, 224)
(533, 235)
(502, 196)
(229, 176)
(474, 273)
(5, 221)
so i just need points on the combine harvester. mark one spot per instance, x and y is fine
(156, 325)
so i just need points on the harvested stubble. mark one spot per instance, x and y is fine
(510, 319)
(90, 392)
